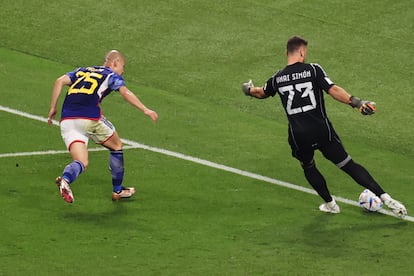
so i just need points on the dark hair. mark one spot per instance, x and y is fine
(294, 43)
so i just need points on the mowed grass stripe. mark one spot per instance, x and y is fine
(133, 144)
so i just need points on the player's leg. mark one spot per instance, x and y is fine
(314, 177)
(79, 153)
(336, 153)
(362, 177)
(318, 182)
(116, 161)
(104, 133)
(116, 166)
(76, 141)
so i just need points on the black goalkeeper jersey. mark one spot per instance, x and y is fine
(300, 87)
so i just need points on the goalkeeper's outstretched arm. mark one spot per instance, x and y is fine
(258, 92)
(249, 89)
(340, 94)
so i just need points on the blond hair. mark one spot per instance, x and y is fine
(113, 55)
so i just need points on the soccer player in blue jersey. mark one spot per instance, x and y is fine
(81, 119)
(300, 86)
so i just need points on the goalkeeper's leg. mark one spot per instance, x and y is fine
(316, 180)
(336, 153)
(312, 174)
(362, 177)
(305, 155)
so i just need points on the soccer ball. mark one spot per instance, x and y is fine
(369, 201)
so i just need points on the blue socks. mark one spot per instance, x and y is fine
(116, 166)
(72, 171)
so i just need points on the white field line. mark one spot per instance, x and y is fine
(53, 152)
(129, 144)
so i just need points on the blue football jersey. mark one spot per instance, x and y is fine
(89, 86)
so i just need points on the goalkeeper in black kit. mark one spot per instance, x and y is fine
(300, 87)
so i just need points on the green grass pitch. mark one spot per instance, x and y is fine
(186, 60)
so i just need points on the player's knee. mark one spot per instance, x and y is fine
(113, 144)
(119, 147)
(116, 147)
(308, 165)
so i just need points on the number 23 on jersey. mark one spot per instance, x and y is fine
(301, 97)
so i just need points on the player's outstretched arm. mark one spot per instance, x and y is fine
(340, 94)
(57, 88)
(133, 100)
(249, 89)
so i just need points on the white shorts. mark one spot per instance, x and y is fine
(80, 130)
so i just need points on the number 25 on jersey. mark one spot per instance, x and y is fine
(86, 83)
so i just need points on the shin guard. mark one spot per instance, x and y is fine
(72, 171)
(116, 166)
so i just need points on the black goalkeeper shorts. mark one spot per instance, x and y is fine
(332, 149)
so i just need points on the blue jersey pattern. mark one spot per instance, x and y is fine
(89, 86)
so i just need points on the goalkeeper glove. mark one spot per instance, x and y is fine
(365, 107)
(246, 87)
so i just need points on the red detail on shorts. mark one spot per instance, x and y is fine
(107, 138)
(76, 141)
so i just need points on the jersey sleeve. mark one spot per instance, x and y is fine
(115, 82)
(269, 88)
(322, 78)
(72, 74)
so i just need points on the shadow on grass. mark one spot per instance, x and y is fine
(104, 215)
(336, 235)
